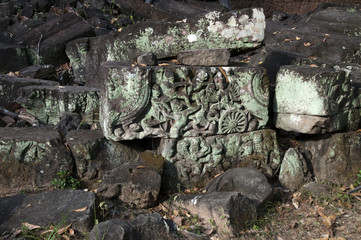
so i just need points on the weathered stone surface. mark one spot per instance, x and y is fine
(9, 87)
(30, 159)
(209, 57)
(241, 29)
(145, 227)
(229, 211)
(313, 100)
(94, 155)
(39, 72)
(134, 184)
(48, 208)
(334, 156)
(53, 36)
(148, 59)
(316, 189)
(197, 159)
(47, 102)
(291, 172)
(12, 57)
(171, 102)
(250, 182)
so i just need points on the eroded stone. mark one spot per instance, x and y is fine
(171, 102)
(209, 57)
(30, 159)
(313, 99)
(47, 102)
(291, 172)
(241, 29)
(192, 160)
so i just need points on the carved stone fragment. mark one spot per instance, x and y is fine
(172, 102)
(313, 100)
(208, 57)
(196, 159)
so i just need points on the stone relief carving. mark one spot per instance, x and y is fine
(174, 102)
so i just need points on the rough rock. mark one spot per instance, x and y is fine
(145, 226)
(229, 211)
(9, 87)
(12, 57)
(171, 102)
(39, 72)
(48, 208)
(94, 155)
(135, 184)
(47, 102)
(46, 42)
(250, 182)
(197, 159)
(291, 173)
(148, 59)
(213, 30)
(30, 158)
(316, 189)
(313, 100)
(334, 156)
(209, 57)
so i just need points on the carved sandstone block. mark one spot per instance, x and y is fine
(313, 100)
(47, 102)
(243, 29)
(197, 159)
(179, 101)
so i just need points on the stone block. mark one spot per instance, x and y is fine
(171, 102)
(229, 211)
(197, 159)
(46, 42)
(9, 87)
(313, 100)
(292, 168)
(334, 156)
(208, 57)
(12, 57)
(48, 208)
(243, 29)
(47, 102)
(145, 227)
(30, 158)
(250, 182)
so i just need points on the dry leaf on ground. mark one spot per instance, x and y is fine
(80, 209)
(64, 229)
(30, 226)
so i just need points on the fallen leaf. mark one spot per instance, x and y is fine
(163, 64)
(11, 74)
(29, 205)
(45, 232)
(344, 189)
(287, 40)
(296, 203)
(175, 61)
(64, 66)
(358, 130)
(274, 33)
(356, 194)
(313, 57)
(65, 237)
(63, 230)
(30, 226)
(294, 225)
(120, 29)
(71, 232)
(176, 212)
(178, 220)
(298, 38)
(80, 209)
(307, 44)
(142, 64)
(16, 233)
(313, 65)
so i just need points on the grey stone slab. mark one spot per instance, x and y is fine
(12, 57)
(243, 29)
(334, 156)
(291, 171)
(229, 211)
(171, 102)
(250, 182)
(47, 102)
(198, 159)
(209, 57)
(9, 87)
(48, 208)
(30, 158)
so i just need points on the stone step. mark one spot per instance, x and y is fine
(30, 159)
(176, 101)
(47, 102)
